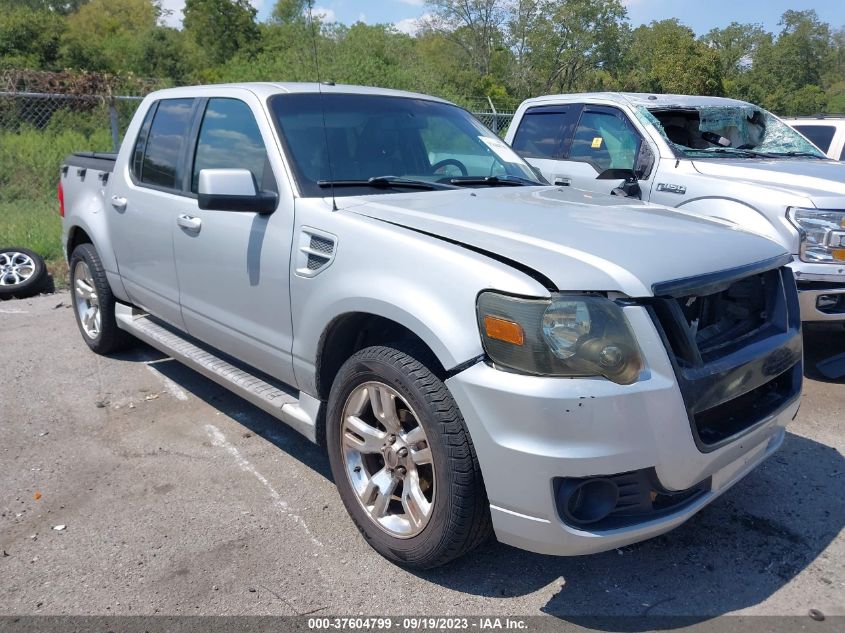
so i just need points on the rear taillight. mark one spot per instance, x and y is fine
(61, 195)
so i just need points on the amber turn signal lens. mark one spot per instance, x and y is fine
(839, 254)
(504, 330)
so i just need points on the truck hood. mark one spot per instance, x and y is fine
(578, 240)
(822, 181)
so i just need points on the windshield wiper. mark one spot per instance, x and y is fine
(494, 181)
(732, 151)
(793, 154)
(385, 182)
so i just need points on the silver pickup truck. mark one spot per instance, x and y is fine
(710, 156)
(476, 349)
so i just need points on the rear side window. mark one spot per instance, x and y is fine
(141, 143)
(605, 139)
(230, 139)
(820, 135)
(166, 142)
(545, 131)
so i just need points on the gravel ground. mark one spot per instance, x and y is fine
(179, 498)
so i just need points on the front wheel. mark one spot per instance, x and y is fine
(94, 302)
(402, 459)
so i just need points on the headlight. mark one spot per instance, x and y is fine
(567, 335)
(822, 234)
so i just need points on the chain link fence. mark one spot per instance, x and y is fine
(45, 111)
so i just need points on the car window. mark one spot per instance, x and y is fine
(605, 140)
(168, 135)
(842, 153)
(544, 131)
(820, 135)
(229, 138)
(141, 142)
(354, 137)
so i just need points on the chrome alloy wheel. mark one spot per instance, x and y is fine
(15, 268)
(388, 459)
(86, 299)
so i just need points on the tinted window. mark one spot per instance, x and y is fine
(820, 135)
(842, 154)
(229, 139)
(605, 140)
(357, 137)
(167, 138)
(141, 143)
(543, 132)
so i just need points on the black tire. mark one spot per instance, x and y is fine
(110, 338)
(460, 513)
(32, 285)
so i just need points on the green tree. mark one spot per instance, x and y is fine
(735, 45)
(221, 28)
(569, 39)
(286, 11)
(475, 26)
(665, 57)
(62, 7)
(29, 38)
(108, 35)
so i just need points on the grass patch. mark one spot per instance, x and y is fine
(35, 224)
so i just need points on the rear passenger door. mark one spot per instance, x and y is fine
(143, 208)
(234, 266)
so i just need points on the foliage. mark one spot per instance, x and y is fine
(466, 50)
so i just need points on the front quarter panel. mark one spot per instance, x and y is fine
(421, 282)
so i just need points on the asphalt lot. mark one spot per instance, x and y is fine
(180, 498)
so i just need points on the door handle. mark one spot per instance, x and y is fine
(118, 203)
(189, 222)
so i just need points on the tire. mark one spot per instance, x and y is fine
(458, 513)
(22, 273)
(99, 329)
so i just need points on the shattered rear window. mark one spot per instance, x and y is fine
(727, 131)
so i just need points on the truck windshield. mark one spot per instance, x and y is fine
(743, 131)
(386, 144)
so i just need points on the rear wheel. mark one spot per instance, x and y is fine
(402, 459)
(94, 302)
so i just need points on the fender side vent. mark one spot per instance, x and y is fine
(316, 252)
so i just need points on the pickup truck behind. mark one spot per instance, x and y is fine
(476, 349)
(709, 156)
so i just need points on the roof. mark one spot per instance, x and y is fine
(267, 89)
(648, 100)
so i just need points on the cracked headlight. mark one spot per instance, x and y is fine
(566, 335)
(822, 234)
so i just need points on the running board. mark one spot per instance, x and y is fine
(299, 413)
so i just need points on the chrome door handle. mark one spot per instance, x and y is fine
(189, 222)
(118, 203)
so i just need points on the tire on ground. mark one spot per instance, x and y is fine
(460, 516)
(11, 282)
(110, 338)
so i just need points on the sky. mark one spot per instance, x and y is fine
(719, 13)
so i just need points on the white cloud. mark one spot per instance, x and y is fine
(413, 3)
(411, 26)
(175, 8)
(323, 14)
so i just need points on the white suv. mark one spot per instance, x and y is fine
(825, 131)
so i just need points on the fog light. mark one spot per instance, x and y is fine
(585, 501)
(826, 302)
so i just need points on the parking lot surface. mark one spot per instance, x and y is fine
(177, 497)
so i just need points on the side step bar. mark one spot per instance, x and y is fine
(299, 413)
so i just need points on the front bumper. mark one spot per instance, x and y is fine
(820, 281)
(530, 431)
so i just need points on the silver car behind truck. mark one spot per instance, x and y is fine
(477, 350)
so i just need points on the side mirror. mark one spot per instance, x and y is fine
(630, 187)
(233, 190)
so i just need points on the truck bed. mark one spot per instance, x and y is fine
(101, 161)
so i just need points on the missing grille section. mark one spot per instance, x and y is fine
(721, 320)
(736, 415)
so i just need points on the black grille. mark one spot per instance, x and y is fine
(736, 350)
